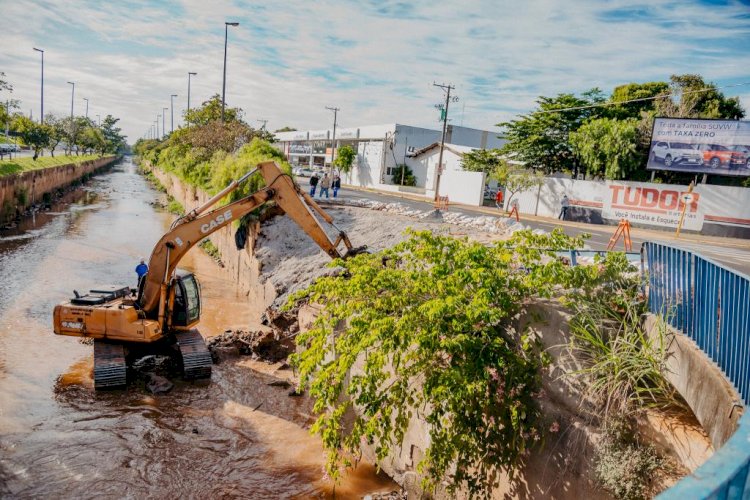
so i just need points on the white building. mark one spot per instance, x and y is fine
(381, 148)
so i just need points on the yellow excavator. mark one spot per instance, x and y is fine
(161, 315)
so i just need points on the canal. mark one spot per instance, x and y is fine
(234, 437)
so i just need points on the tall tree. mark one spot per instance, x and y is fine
(698, 99)
(57, 131)
(210, 111)
(634, 91)
(115, 141)
(540, 138)
(609, 147)
(35, 135)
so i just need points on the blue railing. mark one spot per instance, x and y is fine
(710, 304)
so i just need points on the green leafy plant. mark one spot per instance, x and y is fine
(429, 331)
(345, 156)
(403, 176)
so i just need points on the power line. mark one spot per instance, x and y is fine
(641, 99)
(614, 103)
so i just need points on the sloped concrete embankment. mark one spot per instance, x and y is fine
(19, 191)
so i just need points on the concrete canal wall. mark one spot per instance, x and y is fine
(21, 190)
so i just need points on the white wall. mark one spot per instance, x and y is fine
(637, 201)
(462, 187)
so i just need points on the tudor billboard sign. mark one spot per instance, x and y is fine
(655, 206)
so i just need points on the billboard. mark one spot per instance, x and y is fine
(653, 204)
(720, 147)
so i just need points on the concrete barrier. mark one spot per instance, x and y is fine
(19, 191)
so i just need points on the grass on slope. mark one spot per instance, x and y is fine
(16, 165)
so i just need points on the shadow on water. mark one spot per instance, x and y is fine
(233, 437)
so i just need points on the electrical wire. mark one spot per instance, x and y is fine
(641, 99)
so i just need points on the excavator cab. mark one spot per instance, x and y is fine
(186, 308)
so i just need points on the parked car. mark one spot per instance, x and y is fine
(744, 150)
(676, 152)
(303, 172)
(716, 155)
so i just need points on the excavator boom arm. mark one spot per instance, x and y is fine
(188, 231)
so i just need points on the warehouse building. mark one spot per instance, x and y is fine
(381, 148)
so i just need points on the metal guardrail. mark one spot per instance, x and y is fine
(710, 304)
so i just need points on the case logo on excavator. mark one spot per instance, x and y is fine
(220, 219)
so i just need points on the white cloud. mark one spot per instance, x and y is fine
(375, 60)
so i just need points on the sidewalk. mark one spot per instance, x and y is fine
(639, 232)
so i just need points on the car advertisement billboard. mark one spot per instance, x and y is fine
(720, 147)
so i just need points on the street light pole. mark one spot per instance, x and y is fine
(72, 95)
(163, 118)
(87, 106)
(333, 141)
(224, 81)
(157, 126)
(41, 116)
(171, 103)
(190, 73)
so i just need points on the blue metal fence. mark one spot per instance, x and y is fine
(711, 305)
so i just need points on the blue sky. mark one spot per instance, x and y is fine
(376, 60)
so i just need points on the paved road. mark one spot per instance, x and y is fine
(731, 253)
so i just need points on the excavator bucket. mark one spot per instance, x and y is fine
(300, 206)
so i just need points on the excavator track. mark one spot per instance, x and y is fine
(110, 368)
(196, 359)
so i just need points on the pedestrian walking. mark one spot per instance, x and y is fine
(313, 183)
(564, 204)
(336, 185)
(325, 184)
(499, 198)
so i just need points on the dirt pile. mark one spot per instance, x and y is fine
(272, 341)
(291, 261)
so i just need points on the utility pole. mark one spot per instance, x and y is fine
(41, 116)
(87, 106)
(224, 81)
(163, 118)
(447, 89)
(98, 120)
(190, 73)
(263, 121)
(72, 96)
(171, 103)
(333, 140)
(157, 126)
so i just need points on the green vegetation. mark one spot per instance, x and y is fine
(431, 325)
(209, 247)
(174, 206)
(17, 165)
(609, 141)
(403, 175)
(345, 156)
(214, 153)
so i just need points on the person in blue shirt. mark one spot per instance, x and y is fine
(141, 270)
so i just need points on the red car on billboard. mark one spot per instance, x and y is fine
(716, 155)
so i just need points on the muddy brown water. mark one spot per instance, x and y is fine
(233, 437)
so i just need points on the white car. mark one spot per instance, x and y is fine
(676, 152)
(302, 172)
